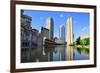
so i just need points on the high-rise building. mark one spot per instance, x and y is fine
(70, 50)
(50, 27)
(69, 31)
(62, 32)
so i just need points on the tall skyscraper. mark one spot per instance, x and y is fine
(70, 50)
(62, 32)
(69, 31)
(50, 26)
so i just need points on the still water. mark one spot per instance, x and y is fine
(56, 53)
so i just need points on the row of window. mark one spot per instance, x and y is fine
(25, 44)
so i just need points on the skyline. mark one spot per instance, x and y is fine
(81, 23)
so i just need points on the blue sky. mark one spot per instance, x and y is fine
(81, 25)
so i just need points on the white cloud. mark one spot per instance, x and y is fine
(61, 15)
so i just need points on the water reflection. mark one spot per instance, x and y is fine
(70, 53)
(54, 53)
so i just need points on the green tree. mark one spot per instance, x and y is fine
(83, 42)
(87, 41)
(78, 40)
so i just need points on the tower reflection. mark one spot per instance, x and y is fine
(70, 53)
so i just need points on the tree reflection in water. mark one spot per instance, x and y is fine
(54, 53)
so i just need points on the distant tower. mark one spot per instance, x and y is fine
(69, 31)
(50, 26)
(62, 32)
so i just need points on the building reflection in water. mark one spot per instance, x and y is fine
(54, 53)
(59, 53)
(70, 53)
